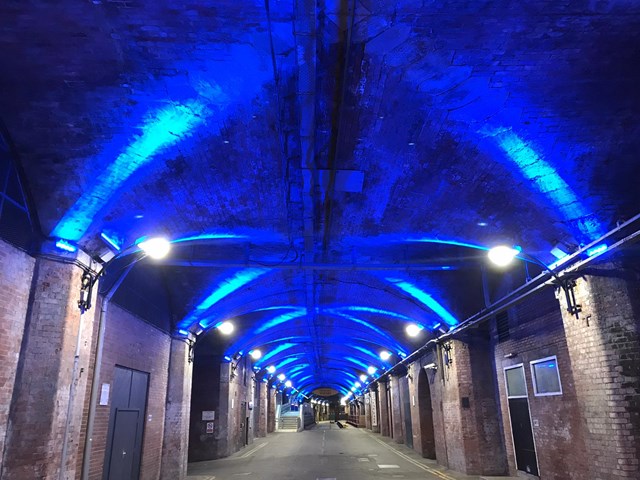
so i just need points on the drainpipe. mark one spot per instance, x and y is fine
(95, 385)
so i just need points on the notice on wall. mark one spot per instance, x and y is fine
(104, 394)
(209, 427)
(374, 410)
(208, 415)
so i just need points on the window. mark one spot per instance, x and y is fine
(516, 386)
(546, 377)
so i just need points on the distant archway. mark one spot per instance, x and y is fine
(425, 413)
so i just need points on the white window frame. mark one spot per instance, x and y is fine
(524, 375)
(534, 380)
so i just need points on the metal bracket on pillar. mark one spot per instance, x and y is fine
(86, 291)
(567, 285)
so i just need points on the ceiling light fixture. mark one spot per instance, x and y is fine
(371, 370)
(155, 247)
(271, 369)
(503, 255)
(226, 327)
(255, 354)
(413, 330)
(385, 355)
(288, 384)
(363, 378)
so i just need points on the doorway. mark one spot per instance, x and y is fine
(126, 424)
(425, 413)
(520, 417)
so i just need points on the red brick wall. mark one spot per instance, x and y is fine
(16, 270)
(604, 346)
(132, 343)
(39, 414)
(536, 331)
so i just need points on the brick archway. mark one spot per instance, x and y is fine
(425, 414)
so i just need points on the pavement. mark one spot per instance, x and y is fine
(324, 452)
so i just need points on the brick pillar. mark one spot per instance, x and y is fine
(176, 421)
(385, 428)
(467, 421)
(41, 412)
(375, 407)
(396, 416)
(271, 409)
(367, 410)
(263, 408)
(604, 348)
(16, 271)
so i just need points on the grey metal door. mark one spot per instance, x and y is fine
(123, 445)
(126, 425)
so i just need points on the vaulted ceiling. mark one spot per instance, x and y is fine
(329, 171)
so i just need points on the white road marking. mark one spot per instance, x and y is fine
(323, 441)
(365, 459)
(254, 450)
(241, 474)
(372, 455)
(388, 466)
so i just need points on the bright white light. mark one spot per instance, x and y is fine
(384, 355)
(155, 247)
(357, 384)
(363, 378)
(371, 370)
(226, 327)
(288, 384)
(281, 377)
(502, 255)
(271, 369)
(413, 330)
(353, 389)
(255, 354)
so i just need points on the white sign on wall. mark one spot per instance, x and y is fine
(374, 409)
(208, 415)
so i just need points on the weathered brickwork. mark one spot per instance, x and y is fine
(16, 270)
(397, 422)
(132, 343)
(464, 406)
(604, 348)
(176, 426)
(536, 331)
(40, 413)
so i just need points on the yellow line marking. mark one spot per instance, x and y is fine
(254, 450)
(412, 461)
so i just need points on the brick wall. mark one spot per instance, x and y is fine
(536, 331)
(604, 348)
(39, 413)
(132, 343)
(16, 270)
(464, 405)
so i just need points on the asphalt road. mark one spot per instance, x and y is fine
(323, 452)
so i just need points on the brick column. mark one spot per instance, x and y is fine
(16, 270)
(604, 348)
(41, 412)
(396, 416)
(263, 408)
(176, 422)
(367, 410)
(385, 428)
(271, 409)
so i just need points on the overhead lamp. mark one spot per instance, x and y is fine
(271, 369)
(385, 355)
(353, 389)
(413, 330)
(357, 384)
(371, 370)
(155, 247)
(288, 384)
(226, 327)
(255, 354)
(503, 255)
(281, 377)
(363, 378)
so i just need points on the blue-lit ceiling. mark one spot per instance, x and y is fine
(230, 128)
